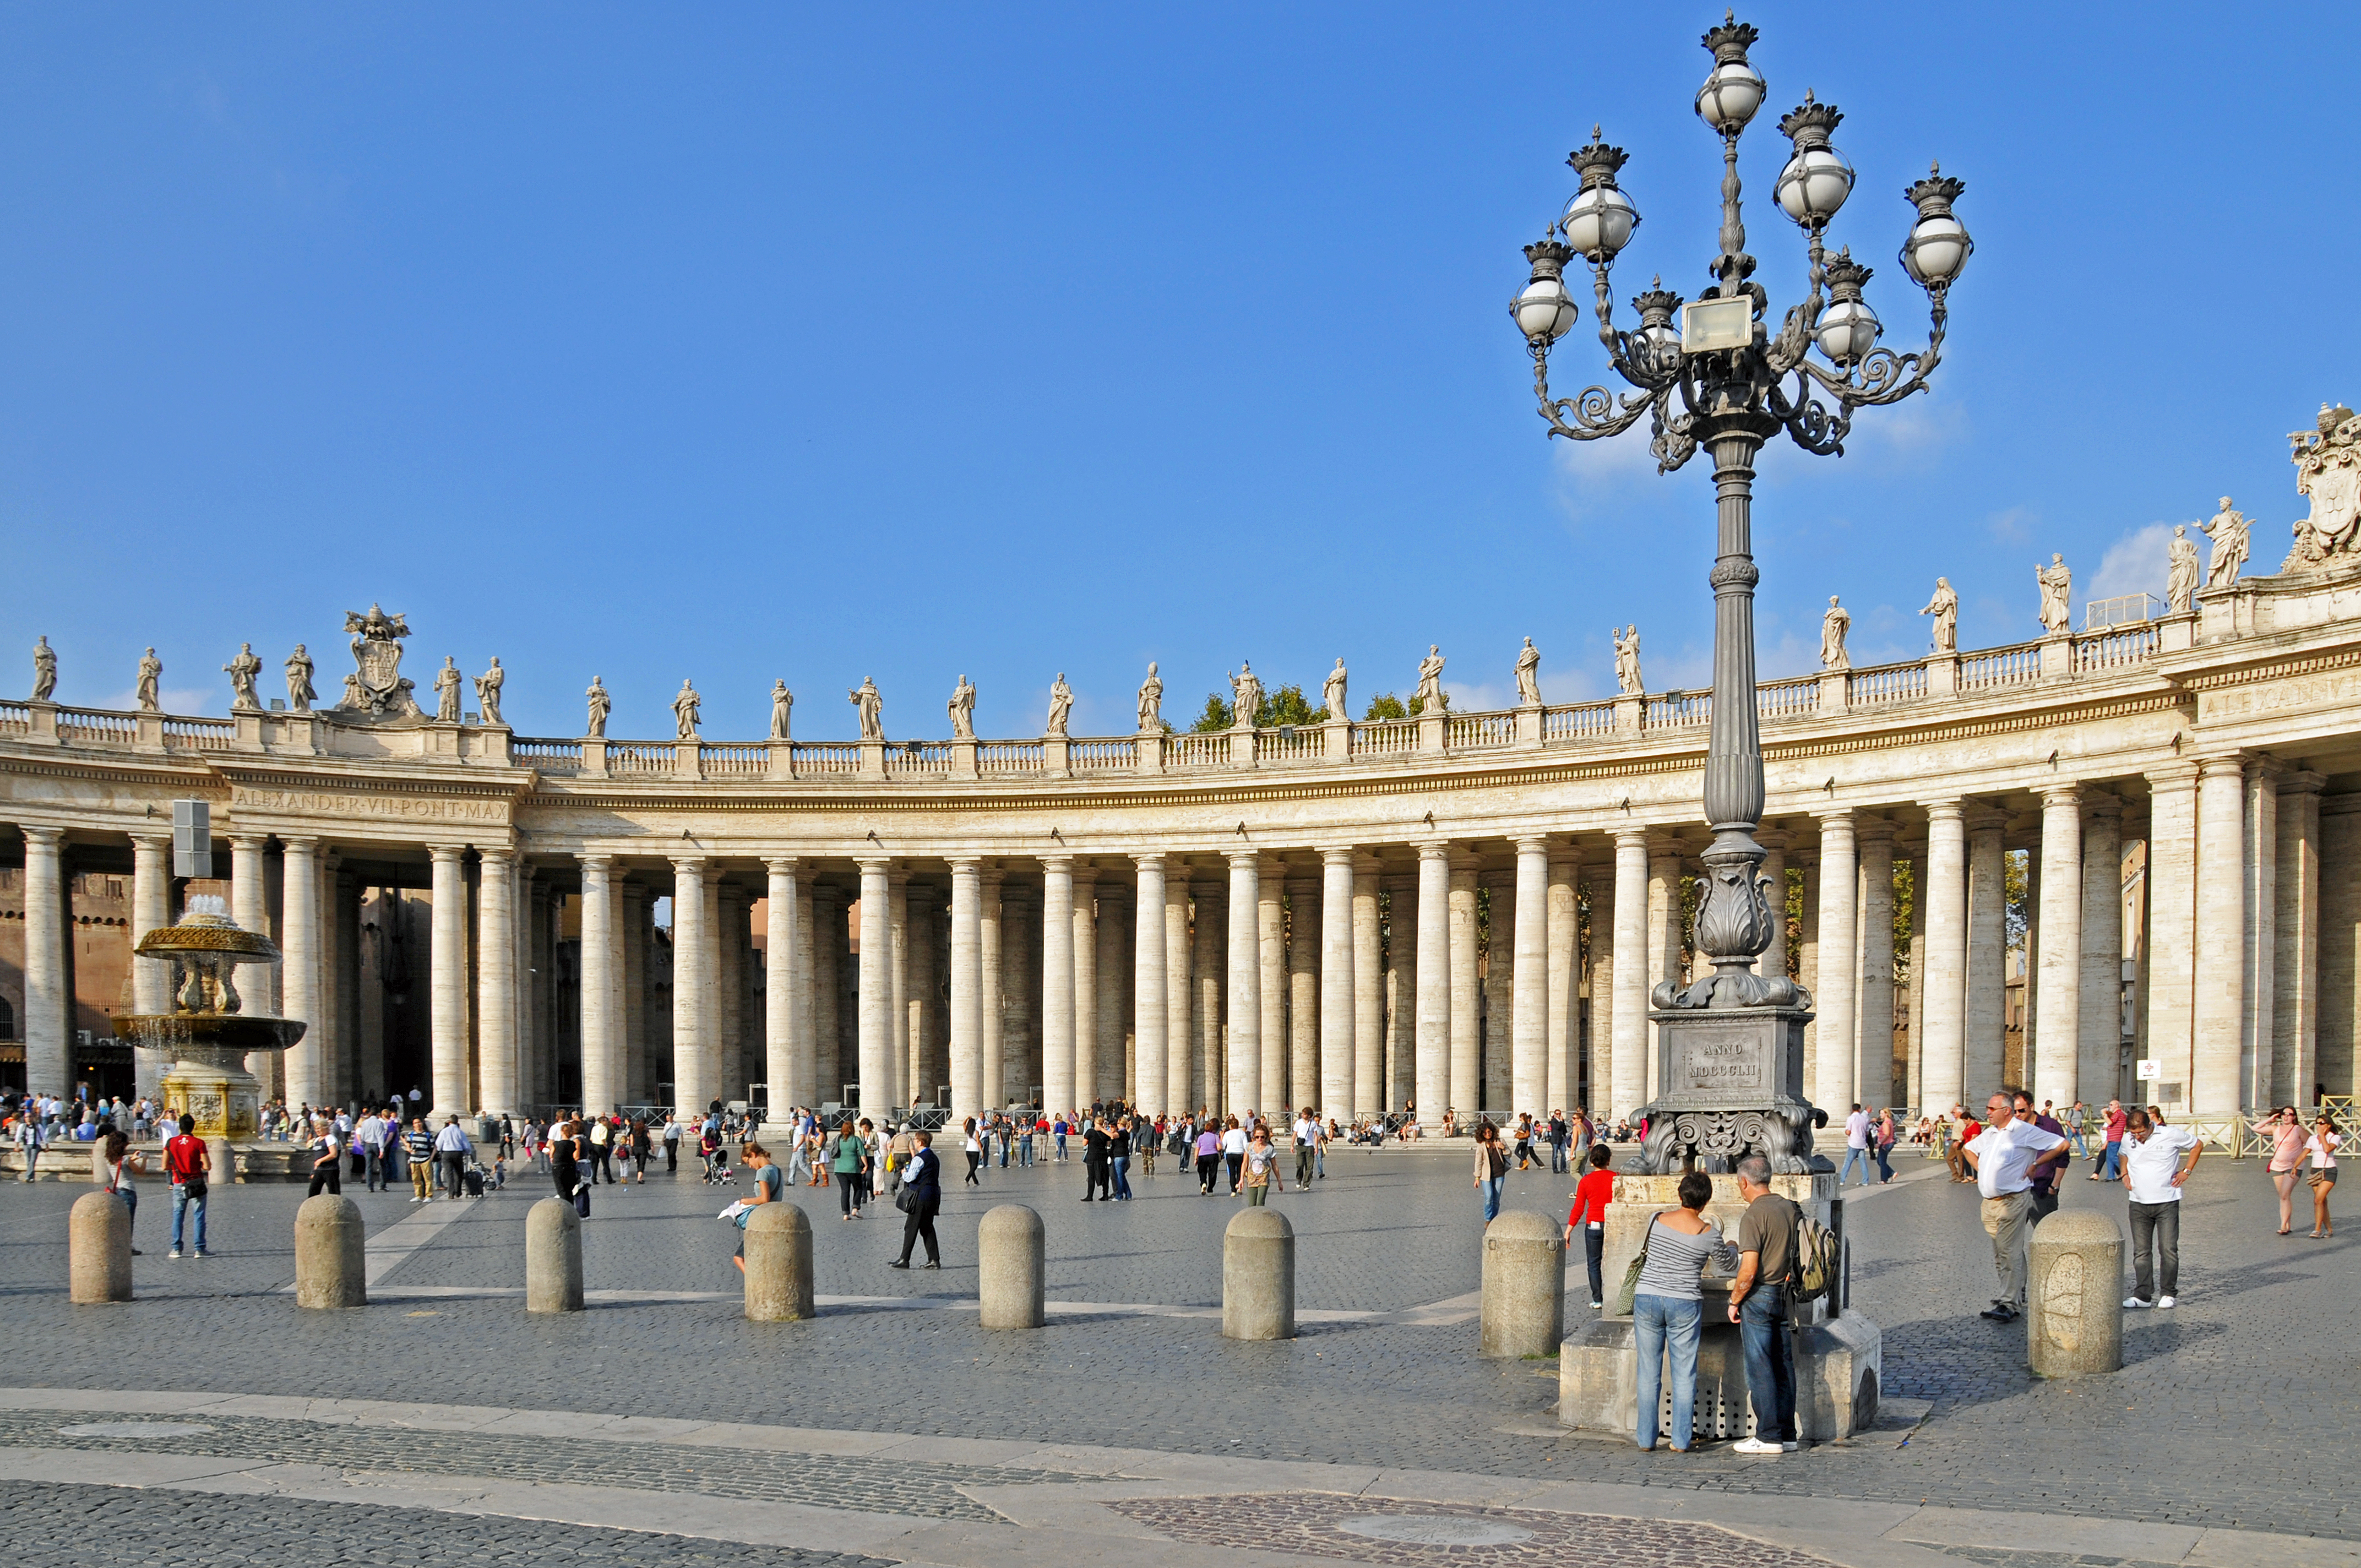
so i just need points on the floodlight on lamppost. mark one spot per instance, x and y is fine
(1722, 379)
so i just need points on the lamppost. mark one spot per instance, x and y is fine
(1721, 380)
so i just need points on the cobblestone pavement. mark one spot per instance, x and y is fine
(52, 1525)
(2216, 1420)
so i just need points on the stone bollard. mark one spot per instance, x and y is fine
(1010, 1273)
(98, 1248)
(2074, 1296)
(1259, 1275)
(553, 1257)
(331, 1254)
(225, 1163)
(1524, 1286)
(778, 1264)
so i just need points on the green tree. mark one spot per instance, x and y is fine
(1216, 718)
(1386, 706)
(1285, 706)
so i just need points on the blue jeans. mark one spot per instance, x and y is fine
(1660, 1323)
(130, 1196)
(1491, 1187)
(2110, 1164)
(1121, 1165)
(1557, 1158)
(183, 1205)
(1061, 1145)
(1593, 1247)
(1025, 1150)
(1770, 1375)
(1845, 1174)
(1884, 1169)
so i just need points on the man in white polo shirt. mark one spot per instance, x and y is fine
(2153, 1171)
(2006, 1156)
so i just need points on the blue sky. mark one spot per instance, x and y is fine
(740, 341)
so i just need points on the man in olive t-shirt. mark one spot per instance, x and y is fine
(1758, 1304)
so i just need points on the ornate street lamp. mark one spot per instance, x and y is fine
(1724, 382)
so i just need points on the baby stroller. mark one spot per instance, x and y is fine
(716, 1169)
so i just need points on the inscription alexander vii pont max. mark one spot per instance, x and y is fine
(414, 808)
(1725, 1064)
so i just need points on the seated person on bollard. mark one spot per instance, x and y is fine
(770, 1187)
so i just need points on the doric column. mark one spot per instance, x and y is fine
(447, 969)
(2295, 942)
(49, 1001)
(1433, 1093)
(732, 947)
(1986, 988)
(2221, 1002)
(1084, 923)
(2100, 1072)
(1336, 984)
(1942, 912)
(1020, 936)
(1840, 964)
(877, 989)
(1466, 1002)
(992, 994)
(781, 986)
(1368, 991)
(496, 1016)
(1565, 939)
(1242, 1051)
(1628, 1064)
(1179, 1008)
(1270, 988)
(1600, 969)
(151, 978)
(1873, 1031)
(634, 1076)
(829, 1076)
(1302, 992)
(1500, 991)
(804, 1025)
(705, 952)
(1402, 991)
(1058, 982)
(692, 1090)
(1807, 957)
(1151, 1016)
(967, 990)
(249, 909)
(1208, 983)
(897, 923)
(924, 1074)
(2058, 1023)
(1111, 926)
(1664, 936)
(2261, 877)
(603, 950)
(1529, 958)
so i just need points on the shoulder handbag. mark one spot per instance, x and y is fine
(1620, 1307)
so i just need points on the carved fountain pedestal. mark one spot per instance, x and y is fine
(207, 1034)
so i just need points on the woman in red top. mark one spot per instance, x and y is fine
(1591, 1196)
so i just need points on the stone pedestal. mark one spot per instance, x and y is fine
(98, 1249)
(2074, 1296)
(1259, 1275)
(225, 1100)
(553, 1257)
(1524, 1302)
(1010, 1272)
(331, 1254)
(778, 1264)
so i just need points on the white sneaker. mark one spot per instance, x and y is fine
(2167, 1300)
(1756, 1445)
(174, 1253)
(2133, 1302)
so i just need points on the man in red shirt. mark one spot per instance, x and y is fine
(187, 1162)
(1591, 1196)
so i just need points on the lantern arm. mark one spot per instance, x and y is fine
(1883, 376)
(1591, 415)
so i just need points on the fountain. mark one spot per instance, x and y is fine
(207, 1035)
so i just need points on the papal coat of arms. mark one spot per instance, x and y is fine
(375, 687)
(2327, 469)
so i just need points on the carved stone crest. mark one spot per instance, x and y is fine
(375, 689)
(2327, 469)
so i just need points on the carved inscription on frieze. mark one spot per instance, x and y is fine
(389, 808)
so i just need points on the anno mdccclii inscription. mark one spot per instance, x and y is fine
(415, 808)
(1725, 1064)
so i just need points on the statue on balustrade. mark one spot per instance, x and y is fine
(1331, 695)
(299, 693)
(488, 691)
(1246, 695)
(1626, 659)
(1833, 627)
(2057, 584)
(1529, 676)
(2227, 529)
(45, 670)
(376, 688)
(447, 683)
(151, 683)
(1061, 704)
(1945, 608)
(871, 707)
(241, 672)
(1430, 682)
(783, 707)
(2181, 580)
(2327, 469)
(962, 710)
(685, 711)
(1151, 702)
(601, 705)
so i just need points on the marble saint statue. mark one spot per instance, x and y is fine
(1430, 680)
(1529, 676)
(2181, 580)
(2057, 584)
(685, 711)
(299, 692)
(448, 683)
(151, 681)
(488, 691)
(1151, 701)
(1332, 693)
(2227, 529)
(1833, 627)
(962, 710)
(601, 705)
(1246, 695)
(871, 706)
(1945, 608)
(1627, 661)
(1061, 705)
(241, 672)
(783, 707)
(45, 670)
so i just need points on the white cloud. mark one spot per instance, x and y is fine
(192, 700)
(2137, 563)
